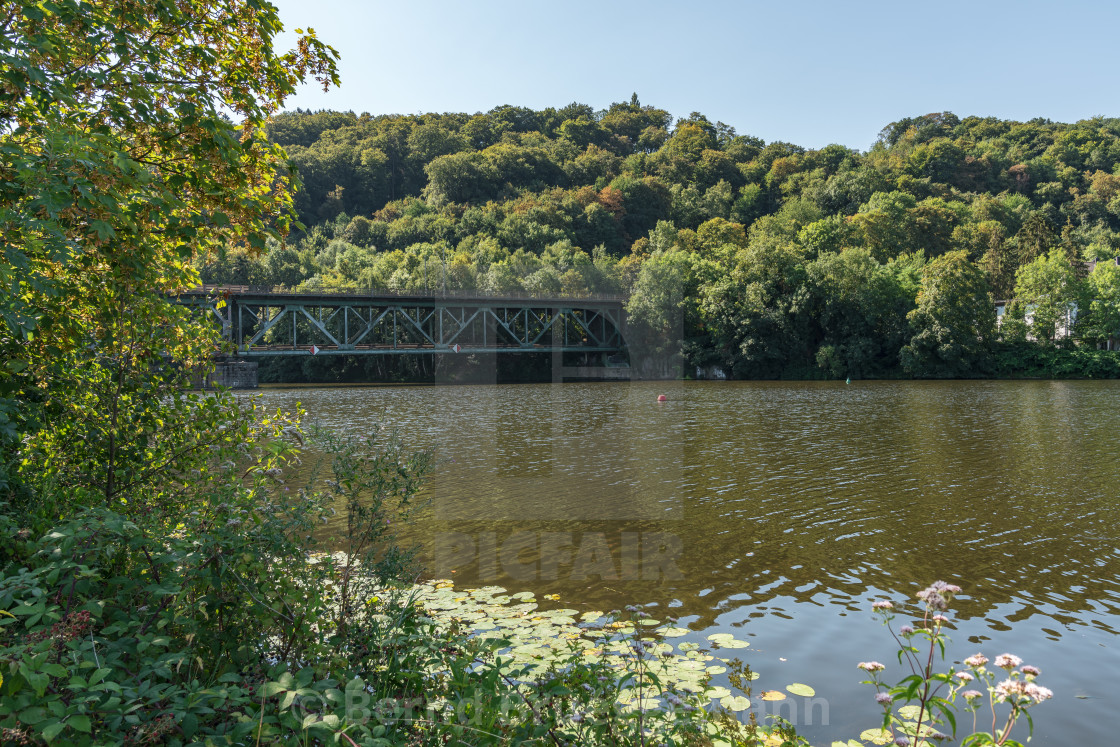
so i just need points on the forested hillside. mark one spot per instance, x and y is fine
(766, 259)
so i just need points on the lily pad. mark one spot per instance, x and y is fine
(529, 642)
(645, 704)
(799, 689)
(735, 703)
(773, 695)
(726, 640)
(487, 591)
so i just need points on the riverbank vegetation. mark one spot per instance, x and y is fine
(160, 582)
(766, 260)
(159, 578)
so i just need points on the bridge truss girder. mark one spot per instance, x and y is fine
(275, 325)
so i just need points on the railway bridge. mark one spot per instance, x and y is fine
(264, 321)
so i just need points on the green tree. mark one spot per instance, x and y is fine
(1051, 291)
(1034, 238)
(583, 131)
(1103, 319)
(459, 177)
(658, 312)
(756, 311)
(284, 265)
(886, 225)
(954, 325)
(861, 311)
(132, 138)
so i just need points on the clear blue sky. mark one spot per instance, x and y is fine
(811, 73)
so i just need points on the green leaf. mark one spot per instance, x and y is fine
(274, 688)
(38, 682)
(55, 670)
(103, 230)
(33, 715)
(80, 723)
(909, 712)
(189, 724)
(52, 730)
(876, 736)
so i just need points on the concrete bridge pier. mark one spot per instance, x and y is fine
(233, 374)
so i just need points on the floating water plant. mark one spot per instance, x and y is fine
(535, 641)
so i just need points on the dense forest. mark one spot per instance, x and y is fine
(764, 259)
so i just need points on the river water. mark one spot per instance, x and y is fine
(779, 511)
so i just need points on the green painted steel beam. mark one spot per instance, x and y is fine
(263, 323)
(303, 351)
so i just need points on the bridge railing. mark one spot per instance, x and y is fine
(280, 290)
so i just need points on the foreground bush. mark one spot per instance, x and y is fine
(220, 623)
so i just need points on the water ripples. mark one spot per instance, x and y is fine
(794, 503)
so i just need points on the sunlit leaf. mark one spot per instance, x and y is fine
(876, 736)
(735, 703)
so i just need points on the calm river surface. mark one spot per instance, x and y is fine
(779, 511)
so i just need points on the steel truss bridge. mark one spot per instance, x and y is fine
(266, 321)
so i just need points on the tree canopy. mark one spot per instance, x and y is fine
(500, 192)
(132, 140)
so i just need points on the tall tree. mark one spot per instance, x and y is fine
(1051, 291)
(954, 324)
(860, 307)
(1103, 319)
(131, 139)
(1034, 238)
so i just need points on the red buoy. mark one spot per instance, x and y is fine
(662, 398)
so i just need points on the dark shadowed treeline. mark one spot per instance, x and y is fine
(765, 259)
